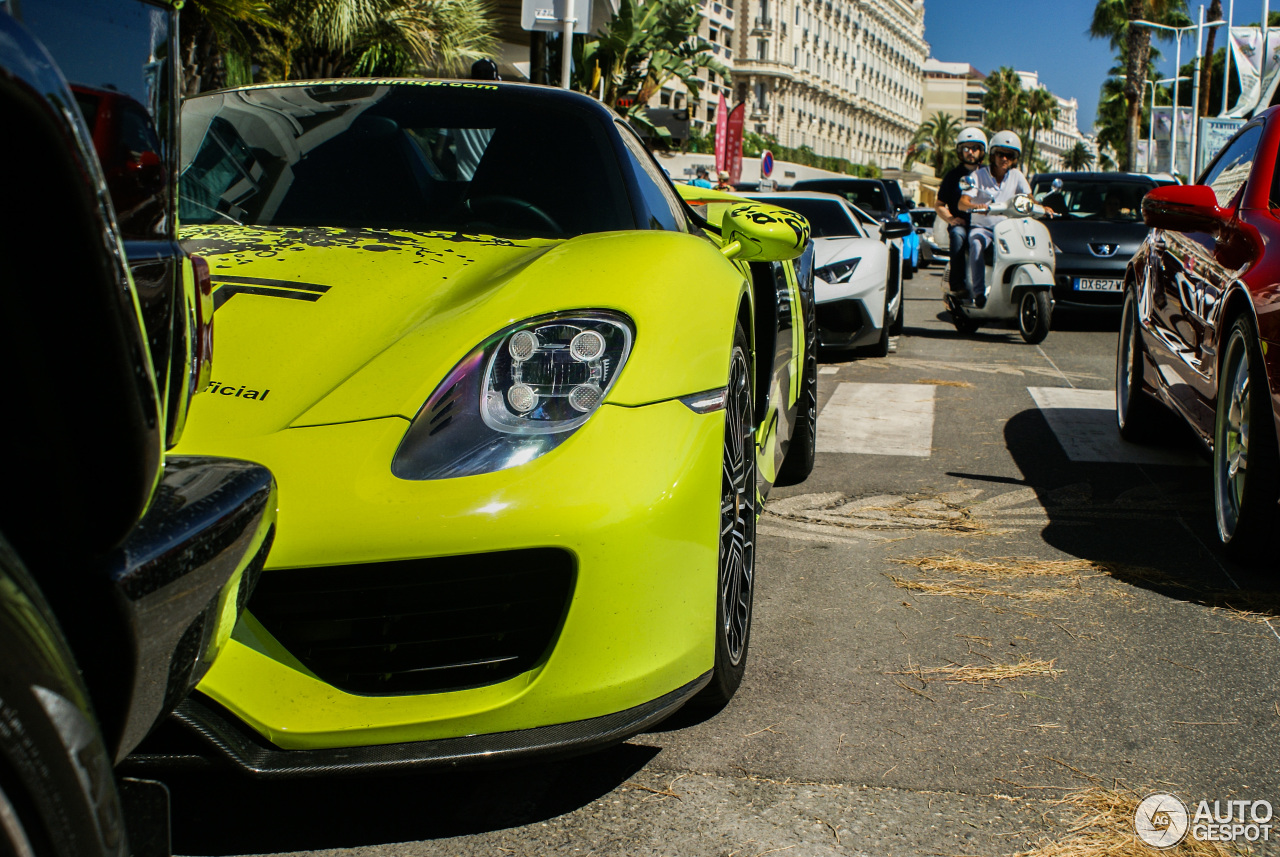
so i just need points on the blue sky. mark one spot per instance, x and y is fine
(1045, 36)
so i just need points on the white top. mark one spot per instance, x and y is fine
(987, 190)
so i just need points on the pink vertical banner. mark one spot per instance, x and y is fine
(722, 128)
(733, 141)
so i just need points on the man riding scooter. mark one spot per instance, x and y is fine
(971, 147)
(997, 183)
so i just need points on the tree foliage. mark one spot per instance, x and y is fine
(1078, 157)
(641, 48)
(935, 142)
(229, 42)
(1112, 20)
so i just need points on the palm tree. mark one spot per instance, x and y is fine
(1078, 157)
(1041, 109)
(1003, 100)
(339, 38)
(1111, 20)
(216, 40)
(936, 140)
(642, 47)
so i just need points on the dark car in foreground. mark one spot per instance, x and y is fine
(1200, 330)
(1098, 229)
(122, 568)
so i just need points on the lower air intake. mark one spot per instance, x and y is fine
(419, 625)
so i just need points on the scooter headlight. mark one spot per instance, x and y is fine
(1023, 204)
(516, 396)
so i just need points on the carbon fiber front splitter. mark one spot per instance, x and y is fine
(228, 742)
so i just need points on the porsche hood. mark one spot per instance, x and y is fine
(299, 312)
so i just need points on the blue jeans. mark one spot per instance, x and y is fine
(980, 239)
(959, 237)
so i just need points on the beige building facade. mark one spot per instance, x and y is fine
(843, 77)
(954, 89)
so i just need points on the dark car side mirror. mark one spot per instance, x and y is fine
(1183, 208)
(895, 229)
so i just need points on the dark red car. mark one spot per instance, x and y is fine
(1200, 328)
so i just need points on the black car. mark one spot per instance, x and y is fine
(881, 198)
(122, 568)
(1098, 229)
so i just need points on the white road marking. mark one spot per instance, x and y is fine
(1084, 423)
(878, 419)
(828, 370)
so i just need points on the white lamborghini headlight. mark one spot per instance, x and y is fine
(840, 272)
(516, 396)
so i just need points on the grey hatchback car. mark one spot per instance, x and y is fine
(1098, 229)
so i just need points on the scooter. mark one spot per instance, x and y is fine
(1019, 273)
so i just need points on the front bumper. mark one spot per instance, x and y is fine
(633, 496)
(228, 742)
(1069, 267)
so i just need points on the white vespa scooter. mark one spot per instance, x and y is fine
(1019, 272)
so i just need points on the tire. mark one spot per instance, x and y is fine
(1033, 315)
(58, 795)
(735, 573)
(963, 323)
(895, 328)
(803, 448)
(1136, 414)
(1246, 465)
(881, 346)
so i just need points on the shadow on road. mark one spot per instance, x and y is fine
(1152, 523)
(225, 813)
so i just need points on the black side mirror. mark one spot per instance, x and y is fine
(895, 229)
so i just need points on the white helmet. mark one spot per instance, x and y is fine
(1006, 140)
(971, 135)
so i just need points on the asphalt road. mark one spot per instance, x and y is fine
(1113, 658)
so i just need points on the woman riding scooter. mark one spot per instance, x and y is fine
(1016, 282)
(999, 182)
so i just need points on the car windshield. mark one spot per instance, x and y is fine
(867, 196)
(420, 157)
(1094, 199)
(827, 217)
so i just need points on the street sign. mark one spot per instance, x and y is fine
(550, 15)
(766, 164)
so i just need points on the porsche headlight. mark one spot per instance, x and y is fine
(840, 272)
(516, 396)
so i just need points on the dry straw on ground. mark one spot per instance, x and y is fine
(1066, 573)
(938, 382)
(1068, 577)
(1103, 827)
(982, 673)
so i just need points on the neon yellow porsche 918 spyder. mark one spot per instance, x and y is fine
(522, 401)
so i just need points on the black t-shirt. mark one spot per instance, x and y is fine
(949, 191)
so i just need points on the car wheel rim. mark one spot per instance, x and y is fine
(737, 512)
(1029, 312)
(1232, 449)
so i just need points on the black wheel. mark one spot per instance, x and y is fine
(895, 328)
(1033, 315)
(58, 796)
(1136, 414)
(798, 464)
(1246, 466)
(959, 318)
(881, 346)
(735, 584)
